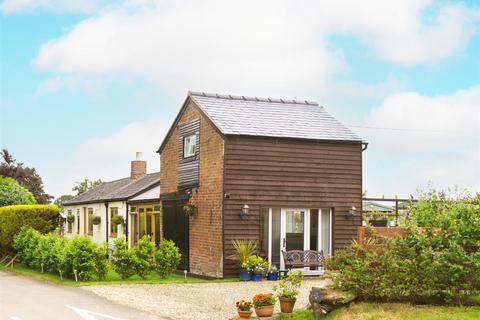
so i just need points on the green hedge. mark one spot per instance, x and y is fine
(43, 218)
(11, 193)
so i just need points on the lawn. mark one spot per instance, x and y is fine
(112, 278)
(393, 311)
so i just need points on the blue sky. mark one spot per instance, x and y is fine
(85, 84)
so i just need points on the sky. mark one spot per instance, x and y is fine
(84, 84)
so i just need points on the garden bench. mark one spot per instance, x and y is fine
(303, 258)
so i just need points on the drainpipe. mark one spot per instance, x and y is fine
(126, 223)
(106, 221)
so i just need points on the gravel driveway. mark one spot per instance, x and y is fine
(197, 301)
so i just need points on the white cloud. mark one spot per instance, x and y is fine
(439, 142)
(428, 122)
(251, 47)
(78, 6)
(109, 157)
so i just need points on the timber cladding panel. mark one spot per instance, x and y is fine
(268, 172)
(188, 168)
(205, 230)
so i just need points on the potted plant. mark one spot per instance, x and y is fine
(272, 273)
(96, 220)
(244, 249)
(258, 266)
(190, 208)
(264, 304)
(116, 220)
(287, 290)
(244, 309)
(70, 218)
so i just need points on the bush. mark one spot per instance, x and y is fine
(82, 254)
(11, 193)
(145, 252)
(437, 261)
(25, 243)
(124, 260)
(167, 258)
(101, 262)
(50, 251)
(43, 218)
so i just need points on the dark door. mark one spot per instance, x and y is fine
(175, 228)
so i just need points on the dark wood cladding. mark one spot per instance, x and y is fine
(264, 172)
(188, 167)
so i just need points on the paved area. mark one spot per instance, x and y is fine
(23, 298)
(199, 301)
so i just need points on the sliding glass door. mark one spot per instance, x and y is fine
(284, 229)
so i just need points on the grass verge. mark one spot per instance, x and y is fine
(112, 278)
(393, 311)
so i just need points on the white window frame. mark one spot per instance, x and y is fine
(188, 142)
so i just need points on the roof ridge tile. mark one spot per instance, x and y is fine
(246, 98)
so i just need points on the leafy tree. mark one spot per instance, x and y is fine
(85, 185)
(26, 176)
(11, 192)
(62, 199)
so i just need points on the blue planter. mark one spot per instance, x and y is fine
(256, 277)
(244, 274)
(272, 276)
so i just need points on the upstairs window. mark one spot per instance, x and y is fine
(189, 145)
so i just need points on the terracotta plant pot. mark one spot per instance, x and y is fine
(244, 314)
(265, 311)
(287, 304)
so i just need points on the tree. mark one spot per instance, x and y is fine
(86, 185)
(26, 176)
(62, 199)
(11, 192)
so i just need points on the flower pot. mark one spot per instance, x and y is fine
(244, 314)
(265, 311)
(287, 304)
(244, 274)
(272, 276)
(256, 277)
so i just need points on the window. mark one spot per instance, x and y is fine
(113, 226)
(90, 221)
(189, 145)
(69, 224)
(78, 221)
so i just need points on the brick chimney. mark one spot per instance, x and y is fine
(138, 167)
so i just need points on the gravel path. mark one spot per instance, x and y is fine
(195, 301)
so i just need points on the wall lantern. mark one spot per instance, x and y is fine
(245, 212)
(352, 212)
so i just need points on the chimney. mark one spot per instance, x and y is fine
(138, 167)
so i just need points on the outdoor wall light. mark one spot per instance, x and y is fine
(352, 212)
(245, 211)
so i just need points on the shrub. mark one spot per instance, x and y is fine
(25, 243)
(167, 258)
(124, 260)
(437, 261)
(145, 252)
(82, 254)
(101, 262)
(11, 193)
(50, 252)
(43, 218)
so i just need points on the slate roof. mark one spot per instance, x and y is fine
(267, 117)
(120, 189)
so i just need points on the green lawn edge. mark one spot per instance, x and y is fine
(112, 278)
(392, 311)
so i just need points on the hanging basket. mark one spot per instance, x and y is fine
(116, 220)
(70, 218)
(96, 220)
(190, 209)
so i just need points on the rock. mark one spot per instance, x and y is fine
(324, 300)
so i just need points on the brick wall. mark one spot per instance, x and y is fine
(206, 248)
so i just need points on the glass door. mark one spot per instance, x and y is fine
(294, 231)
